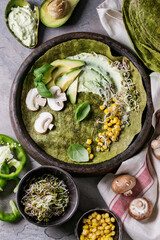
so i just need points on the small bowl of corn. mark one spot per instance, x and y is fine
(98, 224)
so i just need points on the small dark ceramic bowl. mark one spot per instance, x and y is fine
(117, 223)
(62, 175)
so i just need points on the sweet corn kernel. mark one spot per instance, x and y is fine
(113, 233)
(108, 142)
(106, 111)
(105, 126)
(91, 156)
(102, 107)
(89, 150)
(89, 141)
(100, 134)
(109, 124)
(100, 144)
(104, 147)
(106, 215)
(97, 139)
(102, 140)
(112, 219)
(113, 227)
(98, 148)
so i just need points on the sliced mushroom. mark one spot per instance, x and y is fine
(140, 208)
(43, 123)
(124, 185)
(155, 145)
(58, 8)
(34, 100)
(56, 103)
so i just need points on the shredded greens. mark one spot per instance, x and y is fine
(45, 197)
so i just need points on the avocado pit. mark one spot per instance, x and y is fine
(58, 8)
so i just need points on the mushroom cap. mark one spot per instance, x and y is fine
(58, 8)
(31, 99)
(56, 103)
(43, 122)
(123, 184)
(34, 100)
(140, 208)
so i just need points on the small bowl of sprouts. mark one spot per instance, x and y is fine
(47, 196)
(98, 224)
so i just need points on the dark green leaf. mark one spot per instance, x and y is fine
(78, 153)
(82, 111)
(43, 90)
(42, 69)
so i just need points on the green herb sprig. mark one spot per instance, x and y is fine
(38, 81)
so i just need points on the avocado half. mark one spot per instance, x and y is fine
(49, 20)
(21, 3)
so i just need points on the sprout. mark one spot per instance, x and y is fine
(45, 197)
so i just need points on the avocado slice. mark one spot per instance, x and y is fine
(65, 81)
(70, 63)
(21, 3)
(72, 91)
(54, 13)
(58, 72)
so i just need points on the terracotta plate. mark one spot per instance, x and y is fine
(35, 151)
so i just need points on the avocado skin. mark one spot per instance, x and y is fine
(49, 21)
(20, 3)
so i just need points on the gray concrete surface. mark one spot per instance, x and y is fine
(12, 54)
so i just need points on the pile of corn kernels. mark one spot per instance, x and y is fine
(98, 227)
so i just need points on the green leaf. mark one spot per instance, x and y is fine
(42, 69)
(78, 153)
(43, 90)
(38, 79)
(82, 111)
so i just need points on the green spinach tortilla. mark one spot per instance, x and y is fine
(67, 131)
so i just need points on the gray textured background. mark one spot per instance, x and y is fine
(12, 54)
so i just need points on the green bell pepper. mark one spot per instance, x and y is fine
(10, 217)
(20, 155)
(5, 170)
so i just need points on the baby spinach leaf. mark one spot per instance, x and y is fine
(78, 153)
(82, 111)
(42, 69)
(43, 90)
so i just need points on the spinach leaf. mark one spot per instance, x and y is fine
(82, 111)
(43, 90)
(78, 153)
(42, 69)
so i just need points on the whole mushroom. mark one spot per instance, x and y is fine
(34, 100)
(43, 123)
(140, 208)
(123, 184)
(155, 145)
(56, 103)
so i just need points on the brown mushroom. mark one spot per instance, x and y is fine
(155, 145)
(140, 208)
(58, 8)
(123, 185)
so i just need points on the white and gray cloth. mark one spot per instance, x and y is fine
(144, 166)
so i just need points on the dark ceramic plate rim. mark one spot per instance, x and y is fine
(99, 210)
(48, 169)
(40, 155)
